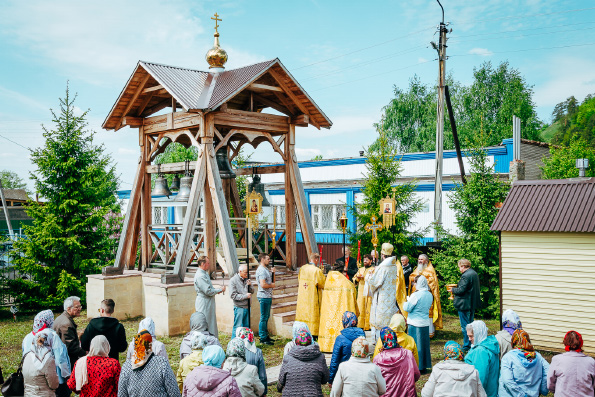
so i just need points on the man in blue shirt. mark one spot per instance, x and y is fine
(264, 279)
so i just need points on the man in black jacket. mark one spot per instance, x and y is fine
(107, 326)
(467, 298)
(349, 262)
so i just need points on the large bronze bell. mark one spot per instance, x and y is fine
(160, 188)
(185, 184)
(258, 187)
(225, 170)
(175, 184)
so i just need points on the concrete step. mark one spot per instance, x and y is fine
(283, 307)
(285, 289)
(285, 317)
(285, 298)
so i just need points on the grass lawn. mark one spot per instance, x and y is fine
(12, 334)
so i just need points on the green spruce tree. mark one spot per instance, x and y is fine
(72, 233)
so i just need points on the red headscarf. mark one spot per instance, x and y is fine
(573, 341)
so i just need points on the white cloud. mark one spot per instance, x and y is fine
(306, 154)
(90, 40)
(421, 60)
(484, 52)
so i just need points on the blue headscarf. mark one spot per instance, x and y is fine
(213, 356)
(349, 320)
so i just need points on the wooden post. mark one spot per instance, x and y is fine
(300, 197)
(210, 231)
(290, 225)
(145, 206)
(238, 211)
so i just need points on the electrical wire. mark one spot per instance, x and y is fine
(16, 143)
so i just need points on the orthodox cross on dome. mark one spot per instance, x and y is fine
(216, 19)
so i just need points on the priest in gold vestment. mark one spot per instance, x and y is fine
(364, 297)
(310, 284)
(339, 296)
(425, 268)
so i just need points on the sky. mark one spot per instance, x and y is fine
(347, 55)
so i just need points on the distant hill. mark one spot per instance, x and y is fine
(548, 133)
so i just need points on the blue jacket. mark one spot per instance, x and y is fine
(342, 348)
(485, 357)
(521, 377)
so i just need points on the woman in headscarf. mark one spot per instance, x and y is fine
(253, 354)
(484, 355)
(304, 369)
(210, 380)
(198, 324)
(145, 374)
(193, 360)
(158, 347)
(453, 377)
(418, 306)
(397, 365)
(246, 375)
(399, 325)
(298, 326)
(43, 321)
(572, 374)
(342, 347)
(523, 371)
(96, 374)
(510, 323)
(358, 376)
(39, 367)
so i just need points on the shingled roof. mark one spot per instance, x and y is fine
(197, 90)
(555, 205)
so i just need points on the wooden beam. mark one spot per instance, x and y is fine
(290, 225)
(292, 96)
(210, 229)
(236, 203)
(145, 212)
(272, 104)
(151, 89)
(268, 169)
(300, 120)
(264, 87)
(171, 121)
(139, 90)
(196, 191)
(157, 107)
(143, 104)
(132, 121)
(241, 119)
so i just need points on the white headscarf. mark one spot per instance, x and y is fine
(198, 341)
(99, 347)
(41, 345)
(480, 332)
(148, 324)
(421, 284)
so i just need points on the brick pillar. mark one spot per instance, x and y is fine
(517, 170)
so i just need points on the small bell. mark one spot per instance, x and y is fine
(225, 170)
(175, 184)
(160, 188)
(185, 185)
(258, 187)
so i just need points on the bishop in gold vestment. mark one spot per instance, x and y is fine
(339, 296)
(425, 268)
(310, 283)
(364, 297)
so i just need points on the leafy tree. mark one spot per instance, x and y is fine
(383, 169)
(475, 209)
(487, 105)
(575, 121)
(562, 161)
(11, 180)
(70, 235)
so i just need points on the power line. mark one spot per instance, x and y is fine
(16, 143)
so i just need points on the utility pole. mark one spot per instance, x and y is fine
(441, 49)
(10, 232)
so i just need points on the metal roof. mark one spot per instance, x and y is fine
(555, 205)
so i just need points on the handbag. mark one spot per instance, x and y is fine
(15, 384)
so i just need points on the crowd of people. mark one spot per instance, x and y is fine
(332, 316)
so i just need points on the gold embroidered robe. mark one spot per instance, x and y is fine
(310, 283)
(339, 296)
(364, 303)
(436, 309)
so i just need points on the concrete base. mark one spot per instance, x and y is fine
(170, 305)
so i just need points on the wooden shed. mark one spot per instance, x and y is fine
(547, 258)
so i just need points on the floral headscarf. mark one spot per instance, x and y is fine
(297, 327)
(573, 341)
(389, 338)
(303, 339)
(360, 348)
(43, 320)
(235, 348)
(213, 356)
(453, 351)
(520, 340)
(511, 321)
(247, 336)
(198, 341)
(349, 320)
(142, 349)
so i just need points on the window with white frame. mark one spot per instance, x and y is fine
(160, 215)
(325, 217)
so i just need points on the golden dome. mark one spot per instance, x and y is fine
(216, 57)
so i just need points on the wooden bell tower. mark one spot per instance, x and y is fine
(210, 110)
